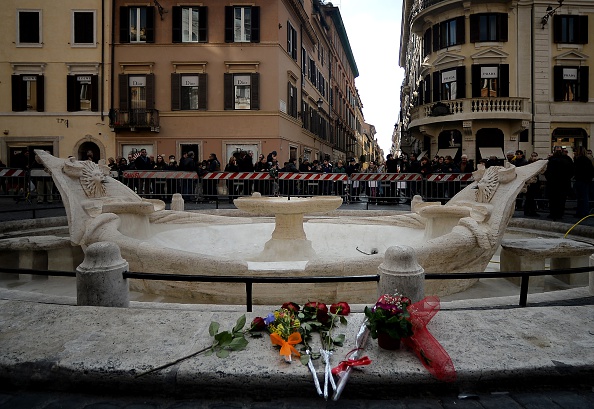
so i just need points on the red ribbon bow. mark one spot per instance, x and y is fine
(343, 365)
(430, 352)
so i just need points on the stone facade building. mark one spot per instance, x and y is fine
(486, 77)
(209, 77)
(54, 83)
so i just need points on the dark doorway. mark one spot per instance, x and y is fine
(89, 148)
(16, 158)
(489, 138)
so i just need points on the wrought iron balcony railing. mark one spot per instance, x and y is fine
(134, 119)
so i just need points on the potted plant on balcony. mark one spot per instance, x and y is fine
(388, 320)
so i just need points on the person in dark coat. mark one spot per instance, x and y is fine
(584, 173)
(558, 175)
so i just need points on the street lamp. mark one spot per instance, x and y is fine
(320, 104)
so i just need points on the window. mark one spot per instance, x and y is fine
(242, 24)
(27, 93)
(137, 24)
(242, 91)
(488, 27)
(82, 93)
(291, 41)
(427, 43)
(29, 27)
(189, 24)
(188, 92)
(570, 29)
(571, 83)
(448, 33)
(137, 92)
(449, 84)
(490, 81)
(292, 98)
(83, 28)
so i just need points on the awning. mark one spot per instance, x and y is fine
(486, 153)
(448, 152)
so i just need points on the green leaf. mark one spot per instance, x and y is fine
(214, 328)
(343, 320)
(238, 344)
(222, 353)
(239, 324)
(304, 359)
(339, 340)
(224, 338)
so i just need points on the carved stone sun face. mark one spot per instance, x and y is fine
(92, 180)
(488, 184)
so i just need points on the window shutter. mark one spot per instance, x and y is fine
(436, 37)
(229, 34)
(123, 91)
(71, 94)
(40, 93)
(474, 28)
(436, 86)
(502, 25)
(583, 83)
(124, 24)
(558, 82)
(289, 48)
(95, 93)
(427, 98)
(202, 92)
(460, 30)
(150, 24)
(460, 82)
(176, 21)
(175, 91)
(557, 32)
(255, 24)
(255, 91)
(582, 29)
(18, 101)
(427, 42)
(150, 91)
(203, 27)
(475, 73)
(228, 91)
(503, 80)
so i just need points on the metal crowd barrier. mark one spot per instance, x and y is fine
(372, 188)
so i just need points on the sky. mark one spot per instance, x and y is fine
(373, 28)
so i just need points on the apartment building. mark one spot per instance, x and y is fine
(54, 61)
(486, 77)
(223, 76)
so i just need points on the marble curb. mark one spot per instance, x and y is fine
(66, 347)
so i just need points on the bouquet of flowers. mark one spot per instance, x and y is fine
(389, 320)
(291, 325)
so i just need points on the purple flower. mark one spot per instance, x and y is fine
(269, 319)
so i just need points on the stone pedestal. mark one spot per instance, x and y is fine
(400, 272)
(99, 279)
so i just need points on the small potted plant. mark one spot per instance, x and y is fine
(388, 320)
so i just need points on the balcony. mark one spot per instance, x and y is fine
(503, 108)
(134, 119)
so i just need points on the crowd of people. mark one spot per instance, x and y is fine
(565, 177)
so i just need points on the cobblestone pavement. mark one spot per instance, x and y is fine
(578, 398)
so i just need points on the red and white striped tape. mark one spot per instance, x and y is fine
(450, 177)
(12, 172)
(148, 174)
(390, 177)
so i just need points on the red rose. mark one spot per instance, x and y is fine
(258, 324)
(323, 316)
(340, 308)
(291, 306)
(320, 306)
